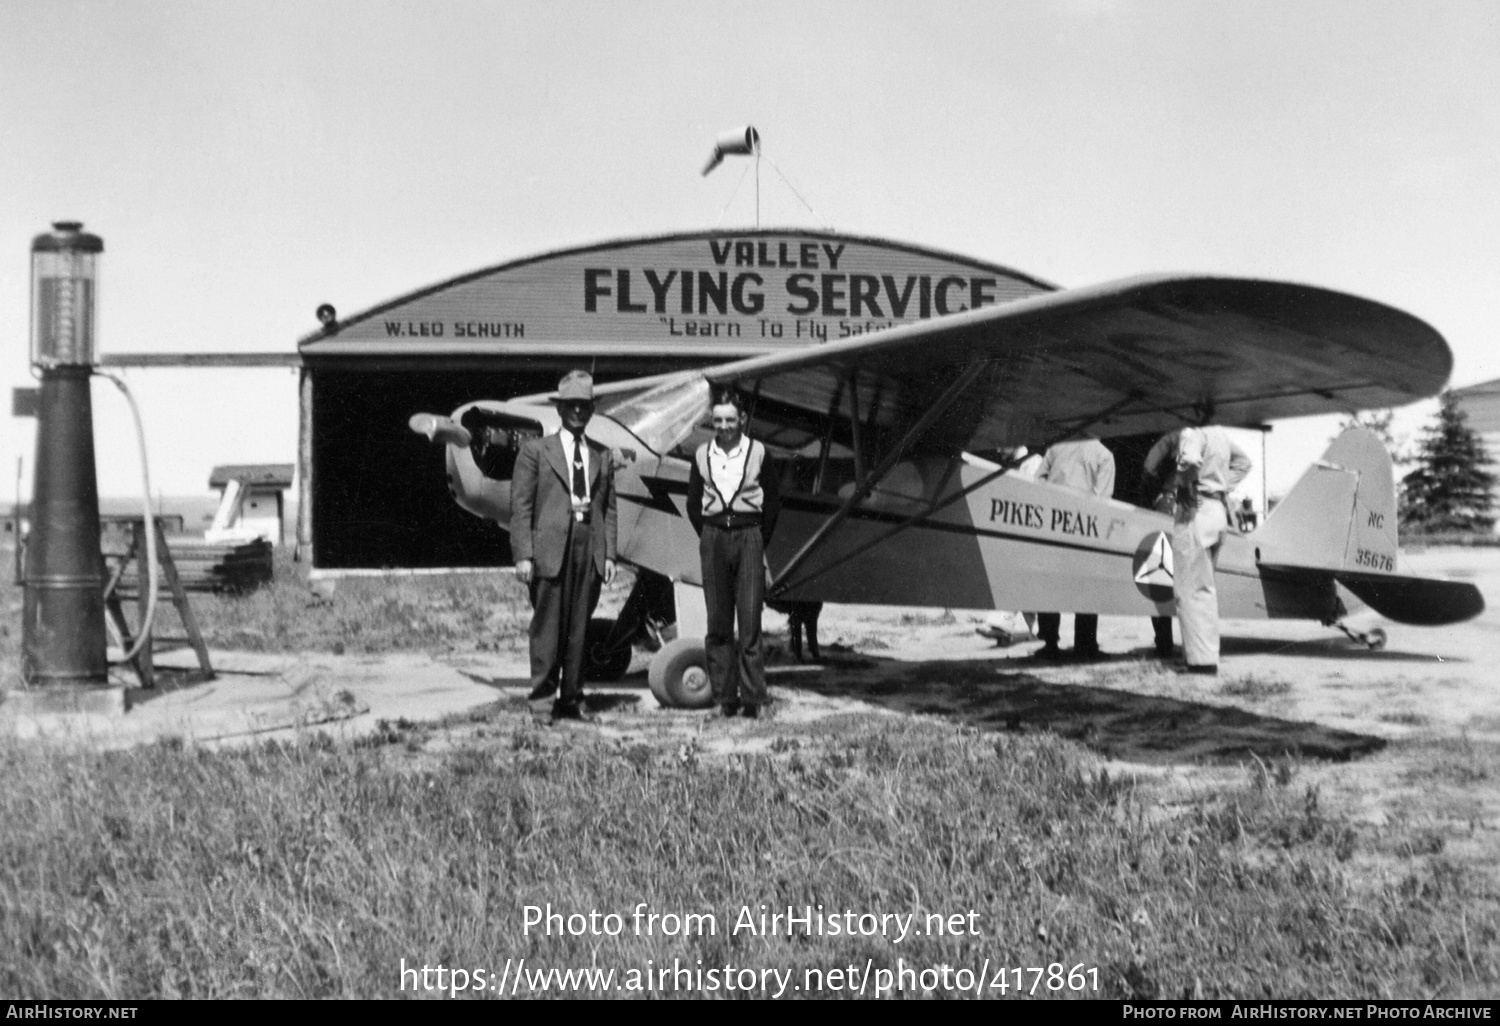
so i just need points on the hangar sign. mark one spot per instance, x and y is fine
(724, 292)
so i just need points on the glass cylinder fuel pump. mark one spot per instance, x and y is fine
(63, 608)
(64, 272)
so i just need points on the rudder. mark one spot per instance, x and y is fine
(1340, 515)
(1339, 522)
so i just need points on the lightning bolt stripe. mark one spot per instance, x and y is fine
(660, 491)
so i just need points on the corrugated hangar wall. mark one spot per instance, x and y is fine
(1481, 405)
(377, 493)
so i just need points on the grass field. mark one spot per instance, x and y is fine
(315, 868)
(430, 613)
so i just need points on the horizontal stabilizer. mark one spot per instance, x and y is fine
(1422, 601)
(1419, 601)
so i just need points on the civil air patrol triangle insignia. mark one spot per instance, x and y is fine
(1152, 567)
(1153, 563)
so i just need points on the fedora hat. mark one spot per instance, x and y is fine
(575, 385)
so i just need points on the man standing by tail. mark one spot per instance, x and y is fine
(732, 503)
(563, 535)
(1209, 466)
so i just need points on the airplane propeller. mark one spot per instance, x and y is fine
(440, 429)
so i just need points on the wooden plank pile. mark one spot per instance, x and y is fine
(205, 566)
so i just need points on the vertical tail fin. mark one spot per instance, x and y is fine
(1340, 519)
(1340, 515)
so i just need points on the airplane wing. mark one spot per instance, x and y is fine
(1127, 357)
(1140, 355)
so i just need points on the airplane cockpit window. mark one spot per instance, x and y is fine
(809, 475)
(496, 439)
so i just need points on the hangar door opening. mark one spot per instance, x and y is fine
(380, 495)
(380, 492)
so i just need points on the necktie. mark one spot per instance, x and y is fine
(580, 486)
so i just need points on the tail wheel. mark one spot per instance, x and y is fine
(601, 662)
(1373, 639)
(679, 675)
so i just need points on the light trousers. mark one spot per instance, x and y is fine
(1197, 530)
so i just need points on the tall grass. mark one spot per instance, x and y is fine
(434, 613)
(438, 613)
(314, 869)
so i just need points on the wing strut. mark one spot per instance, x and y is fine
(779, 584)
(826, 446)
(855, 428)
(866, 483)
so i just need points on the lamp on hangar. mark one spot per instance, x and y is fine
(63, 607)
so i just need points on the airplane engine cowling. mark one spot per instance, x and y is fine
(474, 491)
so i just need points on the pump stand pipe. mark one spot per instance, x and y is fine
(63, 606)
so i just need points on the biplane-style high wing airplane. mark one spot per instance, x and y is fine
(884, 503)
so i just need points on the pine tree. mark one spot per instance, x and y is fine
(1450, 489)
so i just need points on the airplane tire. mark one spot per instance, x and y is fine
(1375, 639)
(679, 675)
(600, 664)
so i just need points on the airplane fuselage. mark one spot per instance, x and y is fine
(958, 533)
(1009, 544)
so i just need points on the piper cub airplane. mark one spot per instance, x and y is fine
(885, 502)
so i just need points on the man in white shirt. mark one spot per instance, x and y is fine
(1084, 465)
(1209, 466)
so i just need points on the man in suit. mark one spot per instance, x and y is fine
(563, 535)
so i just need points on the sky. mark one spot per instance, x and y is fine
(245, 162)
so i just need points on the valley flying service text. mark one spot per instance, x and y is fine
(810, 281)
(818, 287)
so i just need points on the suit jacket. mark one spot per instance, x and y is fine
(541, 504)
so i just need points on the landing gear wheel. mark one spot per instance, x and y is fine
(1373, 639)
(600, 662)
(679, 675)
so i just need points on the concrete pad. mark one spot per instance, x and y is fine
(53, 700)
(270, 695)
(61, 710)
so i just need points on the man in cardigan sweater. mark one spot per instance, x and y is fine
(732, 503)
